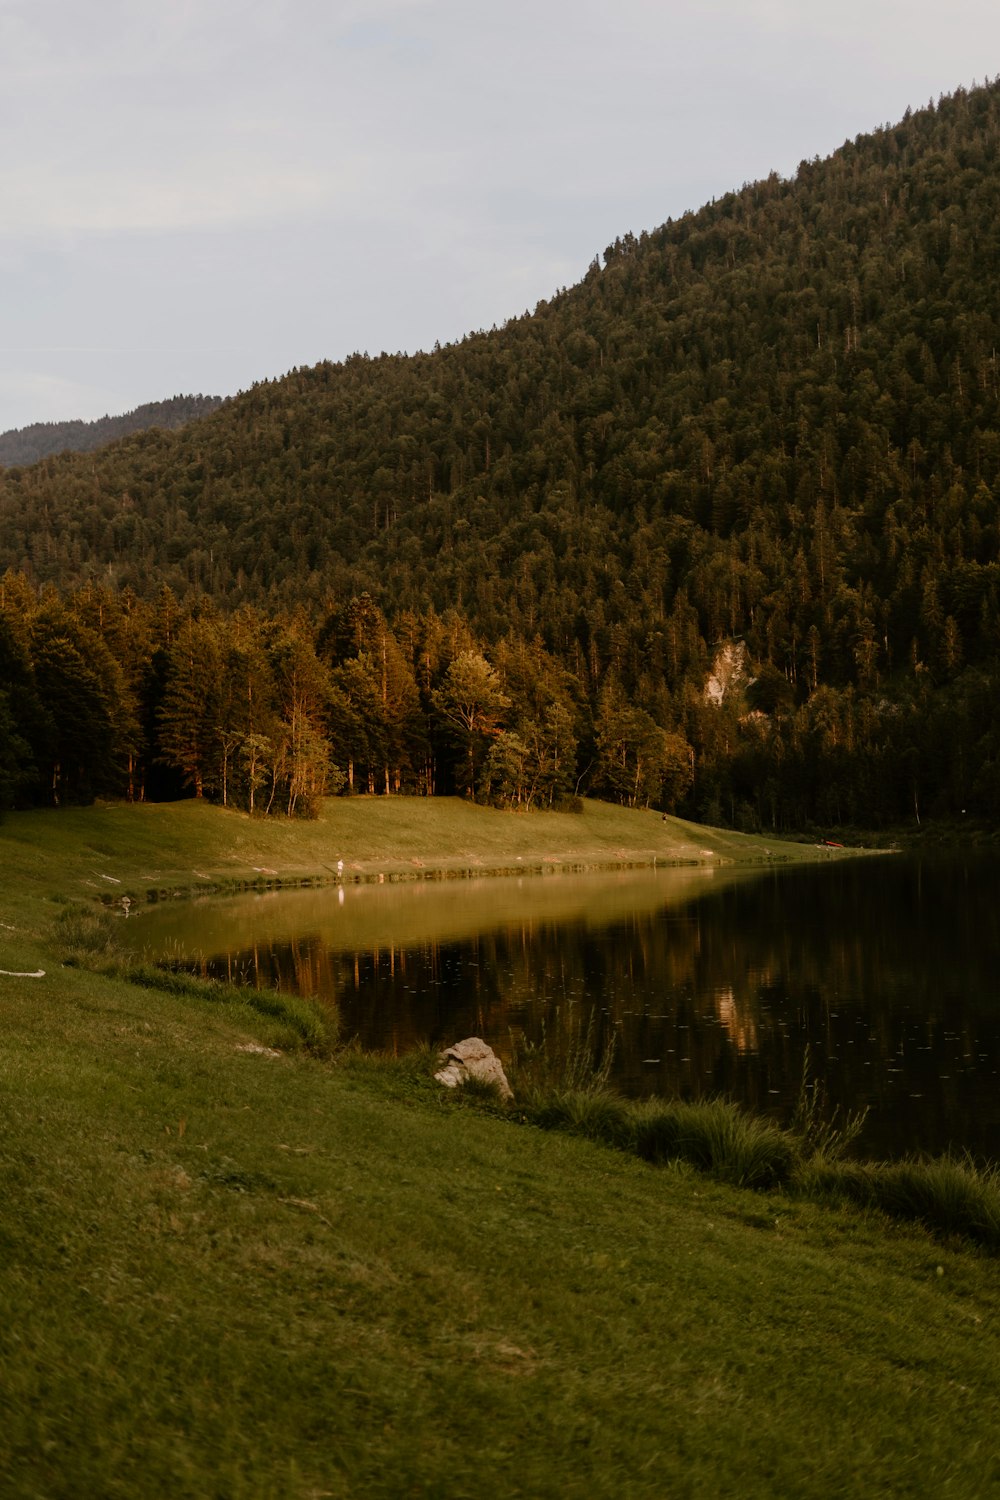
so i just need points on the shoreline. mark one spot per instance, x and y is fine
(169, 851)
(385, 873)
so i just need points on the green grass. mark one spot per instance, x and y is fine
(231, 1273)
(115, 849)
(950, 1197)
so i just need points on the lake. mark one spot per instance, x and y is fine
(887, 970)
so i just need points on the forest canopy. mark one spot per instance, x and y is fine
(26, 445)
(772, 423)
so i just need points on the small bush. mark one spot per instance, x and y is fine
(569, 803)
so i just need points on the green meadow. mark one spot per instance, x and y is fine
(238, 1260)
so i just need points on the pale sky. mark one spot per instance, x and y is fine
(198, 194)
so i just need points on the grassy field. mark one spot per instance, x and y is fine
(190, 845)
(235, 1272)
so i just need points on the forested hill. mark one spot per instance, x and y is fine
(773, 421)
(26, 445)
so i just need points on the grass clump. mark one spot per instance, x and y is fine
(579, 1062)
(713, 1135)
(822, 1131)
(566, 1088)
(88, 934)
(717, 1137)
(596, 1114)
(947, 1195)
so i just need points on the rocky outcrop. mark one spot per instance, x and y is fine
(473, 1059)
(730, 673)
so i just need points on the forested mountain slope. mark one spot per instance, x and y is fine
(26, 445)
(775, 420)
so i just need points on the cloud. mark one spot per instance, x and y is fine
(27, 396)
(224, 191)
(143, 117)
(309, 176)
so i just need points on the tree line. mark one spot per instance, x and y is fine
(105, 694)
(26, 445)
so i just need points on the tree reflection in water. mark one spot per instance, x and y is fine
(886, 969)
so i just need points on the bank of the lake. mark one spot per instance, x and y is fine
(230, 1272)
(696, 981)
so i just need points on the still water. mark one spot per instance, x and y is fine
(887, 970)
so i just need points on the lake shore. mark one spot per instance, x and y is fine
(235, 1265)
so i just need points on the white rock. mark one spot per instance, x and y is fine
(473, 1059)
(730, 673)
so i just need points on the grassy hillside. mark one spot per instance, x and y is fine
(228, 1272)
(116, 849)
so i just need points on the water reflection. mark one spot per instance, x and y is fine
(886, 969)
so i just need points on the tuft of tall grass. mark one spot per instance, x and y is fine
(483, 1093)
(821, 1179)
(820, 1130)
(948, 1195)
(88, 935)
(597, 1114)
(565, 1087)
(717, 1137)
(713, 1135)
(575, 1061)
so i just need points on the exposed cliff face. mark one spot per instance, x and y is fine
(730, 673)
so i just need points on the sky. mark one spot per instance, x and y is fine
(199, 194)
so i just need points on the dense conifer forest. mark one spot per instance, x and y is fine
(759, 445)
(26, 445)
